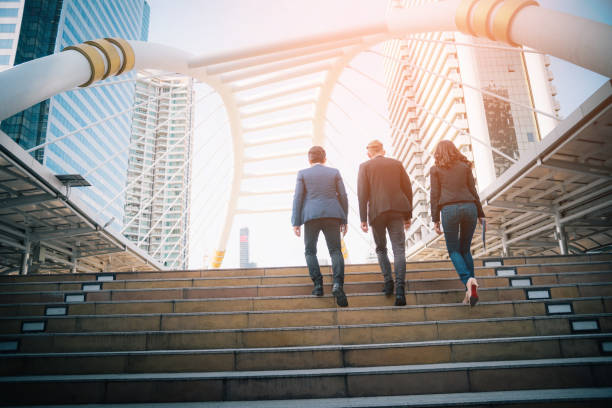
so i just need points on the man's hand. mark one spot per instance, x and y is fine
(437, 228)
(343, 229)
(297, 231)
(407, 224)
(364, 226)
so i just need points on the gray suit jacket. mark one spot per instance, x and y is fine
(319, 193)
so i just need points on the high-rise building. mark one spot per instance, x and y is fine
(426, 107)
(99, 153)
(158, 185)
(11, 12)
(244, 249)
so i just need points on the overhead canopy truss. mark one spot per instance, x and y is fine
(43, 229)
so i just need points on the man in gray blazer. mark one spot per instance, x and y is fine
(320, 203)
(385, 198)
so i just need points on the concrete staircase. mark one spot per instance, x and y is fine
(540, 336)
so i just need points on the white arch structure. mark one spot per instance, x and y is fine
(514, 22)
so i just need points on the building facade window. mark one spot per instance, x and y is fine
(7, 28)
(9, 12)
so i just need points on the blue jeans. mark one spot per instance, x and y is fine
(459, 223)
(331, 231)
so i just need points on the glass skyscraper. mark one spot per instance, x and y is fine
(244, 249)
(10, 22)
(158, 191)
(48, 26)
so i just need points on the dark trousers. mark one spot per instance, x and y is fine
(394, 223)
(331, 231)
(459, 223)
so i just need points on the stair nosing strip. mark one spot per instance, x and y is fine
(331, 347)
(321, 372)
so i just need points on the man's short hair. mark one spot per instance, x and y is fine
(316, 154)
(375, 146)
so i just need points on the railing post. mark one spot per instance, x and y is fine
(25, 258)
(505, 247)
(75, 260)
(560, 233)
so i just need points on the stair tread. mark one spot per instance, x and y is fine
(305, 276)
(303, 269)
(324, 327)
(348, 309)
(309, 285)
(415, 368)
(320, 347)
(424, 400)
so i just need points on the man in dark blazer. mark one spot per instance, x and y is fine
(320, 203)
(385, 198)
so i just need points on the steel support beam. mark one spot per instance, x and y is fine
(518, 206)
(25, 200)
(25, 257)
(579, 168)
(45, 236)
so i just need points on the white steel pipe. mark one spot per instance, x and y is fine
(575, 39)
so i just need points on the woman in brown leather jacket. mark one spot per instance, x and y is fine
(454, 196)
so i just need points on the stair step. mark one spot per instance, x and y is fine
(430, 296)
(309, 357)
(594, 397)
(239, 278)
(286, 318)
(413, 283)
(318, 383)
(374, 333)
(433, 268)
(33, 310)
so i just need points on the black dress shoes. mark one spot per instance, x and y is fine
(338, 293)
(318, 288)
(400, 300)
(400, 297)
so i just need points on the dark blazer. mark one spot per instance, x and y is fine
(383, 185)
(451, 186)
(319, 193)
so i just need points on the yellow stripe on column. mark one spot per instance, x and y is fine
(344, 250)
(113, 59)
(218, 259)
(95, 59)
(128, 54)
(504, 16)
(482, 13)
(104, 58)
(463, 16)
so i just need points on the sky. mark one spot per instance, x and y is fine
(210, 26)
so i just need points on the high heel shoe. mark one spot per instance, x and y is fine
(466, 299)
(472, 290)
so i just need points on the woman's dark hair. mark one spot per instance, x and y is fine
(447, 154)
(316, 154)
